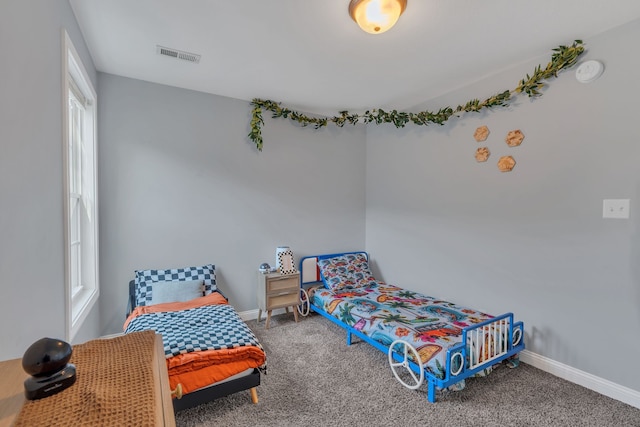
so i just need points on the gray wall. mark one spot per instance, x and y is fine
(31, 183)
(181, 184)
(532, 241)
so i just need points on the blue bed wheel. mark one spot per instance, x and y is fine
(304, 306)
(405, 348)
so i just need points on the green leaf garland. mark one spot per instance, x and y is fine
(562, 58)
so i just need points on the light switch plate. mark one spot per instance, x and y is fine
(615, 208)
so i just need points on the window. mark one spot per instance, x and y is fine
(80, 193)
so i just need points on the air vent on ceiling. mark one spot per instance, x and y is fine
(178, 54)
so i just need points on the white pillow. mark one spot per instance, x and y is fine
(176, 291)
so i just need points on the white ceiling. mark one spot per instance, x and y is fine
(310, 55)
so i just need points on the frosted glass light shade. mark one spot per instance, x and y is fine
(376, 16)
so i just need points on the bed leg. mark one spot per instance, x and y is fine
(348, 338)
(254, 395)
(432, 392)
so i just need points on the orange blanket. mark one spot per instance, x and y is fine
(203, 368)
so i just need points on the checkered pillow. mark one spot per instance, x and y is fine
(345, 271)
(145, 279)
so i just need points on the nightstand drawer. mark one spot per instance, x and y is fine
(279, 284)
(283, 300)
(277, 290)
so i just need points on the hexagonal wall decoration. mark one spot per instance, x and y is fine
(481, 133)
(482, 154)
(506, 163)
(514, 138)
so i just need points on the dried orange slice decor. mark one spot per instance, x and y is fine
(514, 138)
(506, 163)
(481, 133)
(482, 154)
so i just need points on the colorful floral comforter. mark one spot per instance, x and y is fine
(386, 313)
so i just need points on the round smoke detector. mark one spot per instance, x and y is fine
(589, 71)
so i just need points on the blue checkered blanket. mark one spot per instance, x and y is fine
(210, 327)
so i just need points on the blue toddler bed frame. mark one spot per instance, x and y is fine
(500, 327)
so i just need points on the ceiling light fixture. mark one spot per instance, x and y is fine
(376, 16)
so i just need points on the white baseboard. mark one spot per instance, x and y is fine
(253, 314)
(576, 376)
(118, 334)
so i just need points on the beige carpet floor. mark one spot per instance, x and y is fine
(315, 379)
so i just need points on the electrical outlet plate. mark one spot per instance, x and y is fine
(615, 208)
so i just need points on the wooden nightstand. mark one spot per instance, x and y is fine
(12, 396)
(277, 290)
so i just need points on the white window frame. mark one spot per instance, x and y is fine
(82, 284)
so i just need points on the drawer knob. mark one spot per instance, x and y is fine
(177, 393)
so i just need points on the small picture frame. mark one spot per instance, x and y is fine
(284, 260)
